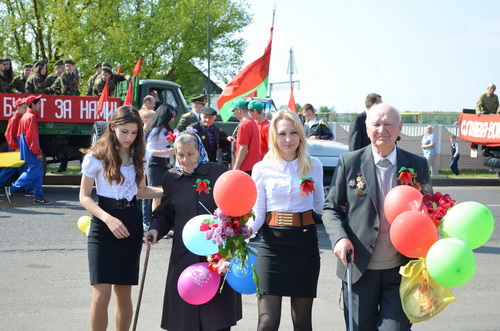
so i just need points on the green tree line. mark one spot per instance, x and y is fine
(170, 35)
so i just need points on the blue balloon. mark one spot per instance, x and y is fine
(240, 277)
(195, 240)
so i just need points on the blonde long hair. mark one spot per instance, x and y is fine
(107, 147)
(274, 153)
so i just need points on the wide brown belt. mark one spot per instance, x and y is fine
(289, 219)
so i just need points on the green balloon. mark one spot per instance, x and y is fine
(469, 221)
(451, 262)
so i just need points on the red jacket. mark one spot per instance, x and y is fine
(29, 126)
(12, 132)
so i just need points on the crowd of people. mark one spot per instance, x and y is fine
(34, 78)
(140, 156)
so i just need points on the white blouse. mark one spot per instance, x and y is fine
(278, 189)
(92, 168)
(157, 141)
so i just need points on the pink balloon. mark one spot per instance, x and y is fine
(413, 233)
(400, 199)
(198, 284)
(235, 193)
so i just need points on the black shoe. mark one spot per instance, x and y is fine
(41, 201)
(8, 194)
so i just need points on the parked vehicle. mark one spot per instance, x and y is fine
(482, 131)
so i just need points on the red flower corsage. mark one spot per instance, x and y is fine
(202, 185)
(307, 185)
(170, 136)
(408, 176)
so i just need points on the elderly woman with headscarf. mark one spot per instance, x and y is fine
(182, 201)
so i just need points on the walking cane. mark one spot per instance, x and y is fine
(149, 239)
(349, 288)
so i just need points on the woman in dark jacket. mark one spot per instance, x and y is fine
(179, 204)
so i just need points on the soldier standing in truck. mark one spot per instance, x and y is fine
(488, 102)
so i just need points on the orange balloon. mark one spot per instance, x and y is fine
(235, 193)
(400, 199)
(413, 233)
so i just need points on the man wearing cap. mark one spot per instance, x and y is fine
(194, 115)
(213, 138)
(69, 81)
(107, 75)
(12, 137)
(30, 152)
(315, 127)
(19, 82)
(90, 85)
(58, 71)
(248, 139)
(488, 102)
(255, 108)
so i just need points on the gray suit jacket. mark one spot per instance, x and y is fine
(349, 215)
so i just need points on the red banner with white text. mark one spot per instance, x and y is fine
(61, 108)
(481, 130)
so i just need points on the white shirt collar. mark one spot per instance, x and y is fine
(391, 157)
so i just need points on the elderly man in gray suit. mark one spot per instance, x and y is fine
(354, 219)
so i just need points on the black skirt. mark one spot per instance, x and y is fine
(113, 260)
(289, 261)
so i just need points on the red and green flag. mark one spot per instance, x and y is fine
(291, 101)
(134, 84)
(103, 100)
(249, 82)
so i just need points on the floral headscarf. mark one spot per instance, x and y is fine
(202, 153)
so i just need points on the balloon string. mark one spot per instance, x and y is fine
(205, 208)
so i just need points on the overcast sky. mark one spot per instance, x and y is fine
(423, 55)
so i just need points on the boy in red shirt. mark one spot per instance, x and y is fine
(30, 151)
(248, 139)
(255, 107)
(12, 137)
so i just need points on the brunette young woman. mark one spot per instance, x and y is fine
(289, 187)
(115, 164)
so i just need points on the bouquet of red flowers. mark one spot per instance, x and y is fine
(436, 206)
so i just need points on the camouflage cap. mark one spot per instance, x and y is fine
(69, 62)
(107, 65)
(27, 66)
(98, 65)
(59, 63)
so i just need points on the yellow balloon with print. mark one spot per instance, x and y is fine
(84, 222)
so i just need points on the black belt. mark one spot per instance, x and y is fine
(117, 204)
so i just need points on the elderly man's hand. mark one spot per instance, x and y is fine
(341, 248)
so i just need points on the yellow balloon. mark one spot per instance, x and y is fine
(84, 222)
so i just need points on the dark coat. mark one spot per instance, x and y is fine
(178, 205)
(358, 138)
(186, 120)
(361, 222)
(220, 138)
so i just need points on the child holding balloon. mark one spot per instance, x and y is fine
(289, 186)
(115, 164)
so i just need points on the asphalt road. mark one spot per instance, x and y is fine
(44, 277)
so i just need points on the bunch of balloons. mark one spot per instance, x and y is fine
(466, 226)
(235, 194)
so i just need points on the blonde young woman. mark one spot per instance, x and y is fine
(289, 186)
(115, 164)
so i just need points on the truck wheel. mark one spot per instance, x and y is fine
(98, 130)
(492, 162)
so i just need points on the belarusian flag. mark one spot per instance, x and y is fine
(103, 100)
(133, 84)
(251, 81)
(291, 101)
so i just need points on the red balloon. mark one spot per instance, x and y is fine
(413, 233)
(235, 193)
(401, 198)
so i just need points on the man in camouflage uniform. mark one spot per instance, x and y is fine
(19, 82)
(4, 84)
(108, 76)
(58, 70)
(69, 81)
(90, 85)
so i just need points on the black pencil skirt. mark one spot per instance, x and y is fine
(289, 261)
(113, 260)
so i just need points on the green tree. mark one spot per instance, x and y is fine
(170, 35)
